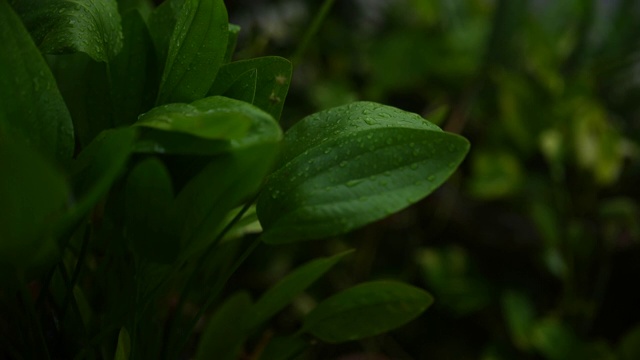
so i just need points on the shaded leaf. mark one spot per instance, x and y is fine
(366, 310)
(68, 26)
(30, 104)
(98, 166)
(272, 83)
(225, 332)
(123, 349)
(196, 51)
(223, 184)
(33, 196)
(148, 197)
(133, 72)
(352, 165)
(281, 294)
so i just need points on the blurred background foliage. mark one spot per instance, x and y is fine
(532, 249)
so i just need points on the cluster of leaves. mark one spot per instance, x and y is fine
(132, 150)
(542, 232)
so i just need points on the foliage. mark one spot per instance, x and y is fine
(132, 150)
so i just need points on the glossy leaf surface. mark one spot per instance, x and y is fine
(68, 26)
(33, 195)
(365, 310)
(225, 332)
(30, 104)
(206, 127)
(281, 294)
(352, 165)
(272, 83)
(196, 51)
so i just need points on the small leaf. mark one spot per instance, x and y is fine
(348, 166)
(366, 310)
(206, 127)
(214, 117)
(123, 349)
(272, 83)
(68, 26)
(196, 51)
(148, 197)
(281, 294)
(234, 30)
(520, 317)
(33, 196)
(30, 104)
(225, 332)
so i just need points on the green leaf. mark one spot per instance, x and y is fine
(148, 198)
(366, 310)
(520, 317)
(352, 165)
(225, 332)
(196, 51)
(123, 349)
(133, 72)
(234, 30)
(214, 117)
(161, 23)
(206, 127)
(281, 294)
(68, 26)
(33, 196)
(98, 166)
(244, 88)
(226, 182)
(272, 84)
(30, 104)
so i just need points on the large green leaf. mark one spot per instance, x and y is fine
(161, 23)
(227, 181)
(281, 294)
(148, 198)
(196, 51)
(68, 26)
(366, 310)
(272, 83)
(348, 166)
(30, 103)
(33, 195)
(225, 332)
(205, 127)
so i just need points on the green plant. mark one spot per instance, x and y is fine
(132, 150)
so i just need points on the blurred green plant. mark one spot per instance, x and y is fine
(531, 253)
